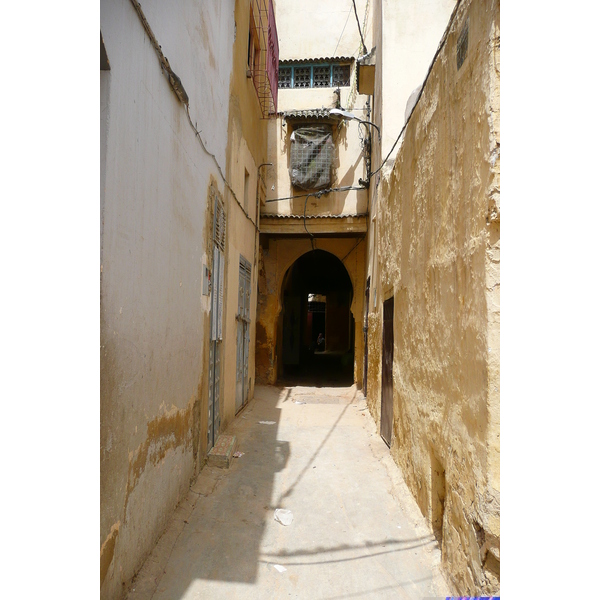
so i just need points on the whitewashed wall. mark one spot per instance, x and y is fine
(155, 233)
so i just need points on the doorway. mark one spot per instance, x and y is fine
(317, 326)
(387, 375)
(366, 340)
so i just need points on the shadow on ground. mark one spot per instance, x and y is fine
(223, 537)
(321, 369)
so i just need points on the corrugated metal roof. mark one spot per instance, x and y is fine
(313, 113)
(326, 59)
(280, 216)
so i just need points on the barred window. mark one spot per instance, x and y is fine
(311, 156)
(315, 75)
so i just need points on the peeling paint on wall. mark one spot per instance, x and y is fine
(170, 431)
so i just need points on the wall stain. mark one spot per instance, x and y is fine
(168, 432)
(107, 551)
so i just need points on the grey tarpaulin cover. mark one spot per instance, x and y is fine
(311, 156)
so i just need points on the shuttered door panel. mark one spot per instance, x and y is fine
(243, 333)
(239, 371)
(220, 294)
(247, 278)
(214, 303)
(216, 323)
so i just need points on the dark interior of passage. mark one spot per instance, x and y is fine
(316, 324)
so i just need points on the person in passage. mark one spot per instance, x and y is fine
(320, 342)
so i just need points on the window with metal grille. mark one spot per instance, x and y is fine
(316, 75)
(311, 156)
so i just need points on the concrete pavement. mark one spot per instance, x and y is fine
(356, 530)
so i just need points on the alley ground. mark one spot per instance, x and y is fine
(356, 530)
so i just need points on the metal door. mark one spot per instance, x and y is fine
(216, 325)
(243, 334)
(387, 379)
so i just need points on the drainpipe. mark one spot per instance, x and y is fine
(258, 215)
(256, 242)
(258, 195)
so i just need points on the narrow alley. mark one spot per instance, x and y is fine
(299, 194)
(314, 451)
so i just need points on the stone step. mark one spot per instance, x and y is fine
(222, 452)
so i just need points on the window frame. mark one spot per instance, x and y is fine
(312, 66)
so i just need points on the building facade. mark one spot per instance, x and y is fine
(180, 171)
(314, 217)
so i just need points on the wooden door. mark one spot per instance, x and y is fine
(365, 331)
(387, 379)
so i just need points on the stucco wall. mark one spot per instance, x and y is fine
(247, 150)
(156, 229)
(437, 244)
(407, 35)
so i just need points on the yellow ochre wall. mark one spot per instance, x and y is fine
(438, 254)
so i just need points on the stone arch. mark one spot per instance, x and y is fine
(277, 255)
(315, 321)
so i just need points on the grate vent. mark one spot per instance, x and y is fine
(341, 75)
(285, 77)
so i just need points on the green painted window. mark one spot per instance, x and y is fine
(317, 75)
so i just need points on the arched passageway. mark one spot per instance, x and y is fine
(316, 346)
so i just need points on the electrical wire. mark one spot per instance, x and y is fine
(341, 34)
(354, 247)
(437, 52)
(364, 48)
(187, 110)
(312, 242)
(179, 90)
(347, 188)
